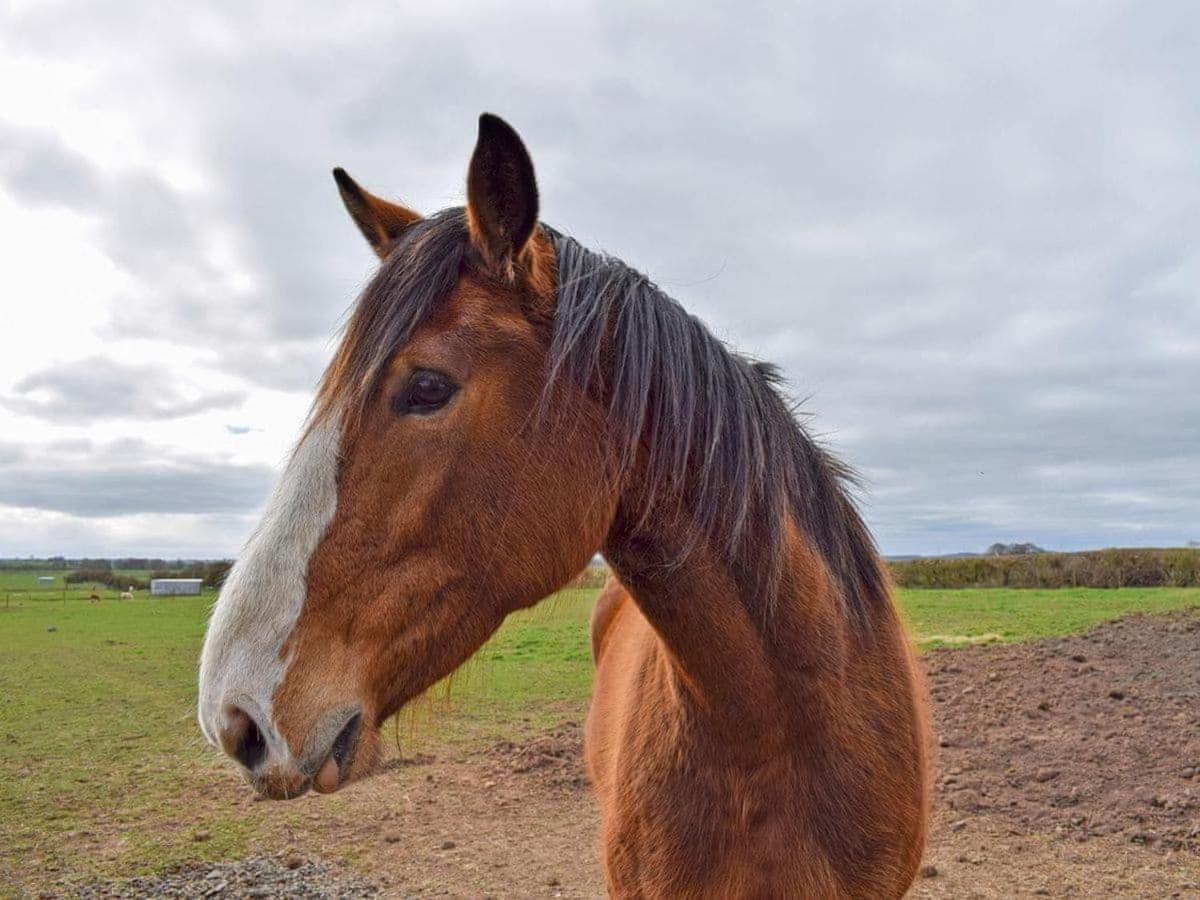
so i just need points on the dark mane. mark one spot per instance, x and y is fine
(708, 427)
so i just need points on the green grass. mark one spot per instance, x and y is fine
(11, 580)
(534, 672)
(103, 771)
(95, 701)
(938, 617)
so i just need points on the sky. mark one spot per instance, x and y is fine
(968, 232)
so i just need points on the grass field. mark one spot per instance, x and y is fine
(103, 771)
(14, 582)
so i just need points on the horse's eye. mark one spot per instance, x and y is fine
(426, 392)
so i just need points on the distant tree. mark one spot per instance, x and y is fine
(1111, 568)
(1013, 549)
(216, 572)
(106, 577)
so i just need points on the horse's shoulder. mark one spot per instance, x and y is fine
(612, 596)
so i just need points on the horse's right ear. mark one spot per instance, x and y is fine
(380, 221)
(502, 200)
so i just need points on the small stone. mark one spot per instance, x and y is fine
(391, 838)
(201, 836)
(448, 845)
(1116, 694)
(929, 870)
(967, 800)
(959, 825)
(293, 861)
(552, 882)
(1044, 775)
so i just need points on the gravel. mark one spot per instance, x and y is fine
(258, 877)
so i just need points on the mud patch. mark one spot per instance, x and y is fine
(1078, 737)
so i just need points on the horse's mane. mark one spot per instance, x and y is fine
(708, 427)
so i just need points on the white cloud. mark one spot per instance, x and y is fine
(84, 390)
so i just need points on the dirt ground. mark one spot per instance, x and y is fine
(1066, 768)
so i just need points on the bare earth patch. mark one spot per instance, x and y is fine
(1068, 767)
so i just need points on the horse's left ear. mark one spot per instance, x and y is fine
(380, 221)
(502, 200)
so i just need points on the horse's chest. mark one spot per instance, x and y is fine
(677, 822)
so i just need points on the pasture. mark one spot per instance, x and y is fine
(104, 772)
(18, 586)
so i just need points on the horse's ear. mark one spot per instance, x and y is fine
(380, 221)
(502, 200)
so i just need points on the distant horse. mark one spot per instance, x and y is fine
(93, 597)
(503, 404)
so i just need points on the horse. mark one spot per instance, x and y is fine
(504, 403)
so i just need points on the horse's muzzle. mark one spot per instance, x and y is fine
(270, 768)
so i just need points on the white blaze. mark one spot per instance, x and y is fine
(265, 590)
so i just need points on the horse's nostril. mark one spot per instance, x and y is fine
(344, 744)
(242, 739)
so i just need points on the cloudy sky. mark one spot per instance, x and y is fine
(969, 232)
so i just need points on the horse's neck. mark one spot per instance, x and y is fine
(745, 667)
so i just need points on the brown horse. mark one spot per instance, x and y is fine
(505, 403)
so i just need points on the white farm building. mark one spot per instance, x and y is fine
(45, 580)
(170, 587)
